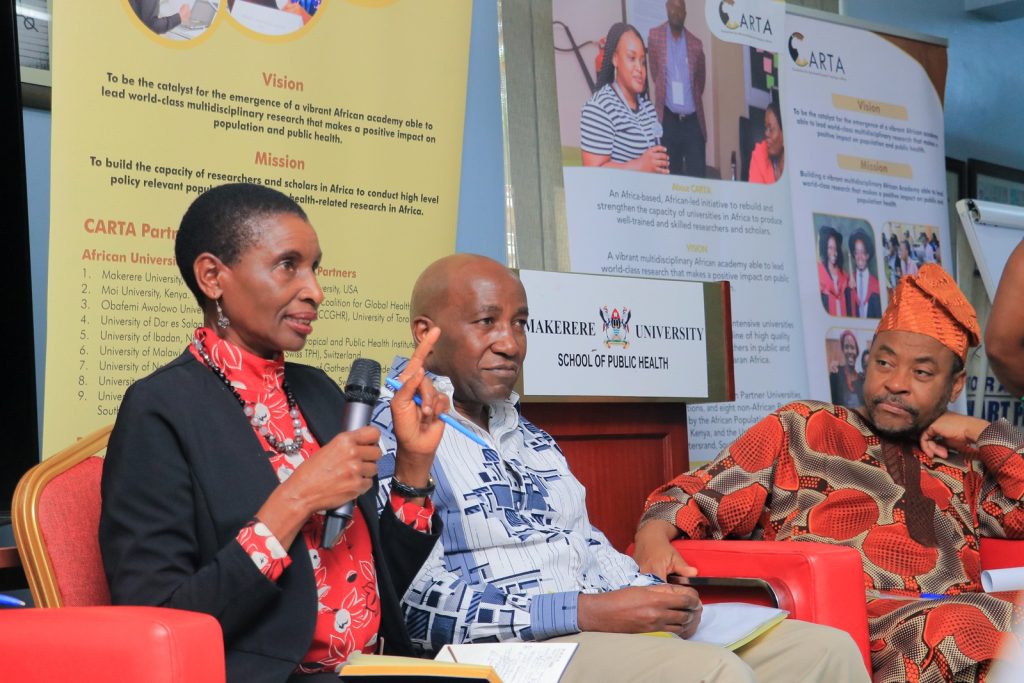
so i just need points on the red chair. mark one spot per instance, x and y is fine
(815, 582)
(56, 518)
(55, 514)
(101, 644)
(999, 553)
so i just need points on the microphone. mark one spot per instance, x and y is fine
(658, 132)
(361, 392)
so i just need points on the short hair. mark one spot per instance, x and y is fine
(224, 221)
(828, 232)
(860, 236)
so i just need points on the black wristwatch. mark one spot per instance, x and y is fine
(406, 491)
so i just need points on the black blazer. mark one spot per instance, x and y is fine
(184, 472)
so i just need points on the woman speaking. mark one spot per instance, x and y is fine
(221, 462)
(619, 127)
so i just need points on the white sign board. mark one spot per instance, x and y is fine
(604, 336)
(994, 231)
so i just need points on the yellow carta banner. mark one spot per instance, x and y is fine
(353, 107)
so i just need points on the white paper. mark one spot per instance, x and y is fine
(724, 623)
(1009, 579)
(515, 662)
(265, 20)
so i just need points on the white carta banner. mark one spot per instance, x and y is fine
(674, 168)
(864, 135)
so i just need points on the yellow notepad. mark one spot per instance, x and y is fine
(386, 669)
(733, 624)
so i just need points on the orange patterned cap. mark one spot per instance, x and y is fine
(930, 303)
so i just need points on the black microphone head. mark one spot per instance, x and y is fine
(363, 385)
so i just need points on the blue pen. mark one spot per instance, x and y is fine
(445, 417)
(8, 601)
(899, 596)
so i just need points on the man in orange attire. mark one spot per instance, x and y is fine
(909, 484)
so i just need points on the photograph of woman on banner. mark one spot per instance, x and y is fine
(832, 277)
(845, 379)
(768, 159)
(709, 95)
(893, 271)
(863, 296)
(619, 127)
(924, 251)
(908, 266)
(222, 462)
(910, 247)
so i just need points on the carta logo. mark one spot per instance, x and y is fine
(725, 13)
(795, 40)
(818, 60)
(734, 18)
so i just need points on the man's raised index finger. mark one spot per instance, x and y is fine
(424, 347)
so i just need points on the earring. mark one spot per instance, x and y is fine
(223, 322)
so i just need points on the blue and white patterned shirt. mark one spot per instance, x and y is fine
(517, 546)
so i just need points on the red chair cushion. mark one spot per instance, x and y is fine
(999, 553)
(94, 644)
(69, 521)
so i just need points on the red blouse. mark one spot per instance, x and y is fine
(833, 292)
(348, 613)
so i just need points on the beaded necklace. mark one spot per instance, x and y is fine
(288, 447)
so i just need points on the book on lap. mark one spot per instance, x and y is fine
(490, 662)
(515, 662)
(733, 624)
(389, 669)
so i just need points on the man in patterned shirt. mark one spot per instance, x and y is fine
(910, 485)
(519, 559)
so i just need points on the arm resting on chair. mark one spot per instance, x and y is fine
(88, 644)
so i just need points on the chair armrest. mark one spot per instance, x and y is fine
(823, 584)
(1000, 553)
(93, 644)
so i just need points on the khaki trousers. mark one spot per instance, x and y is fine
(792, 651)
